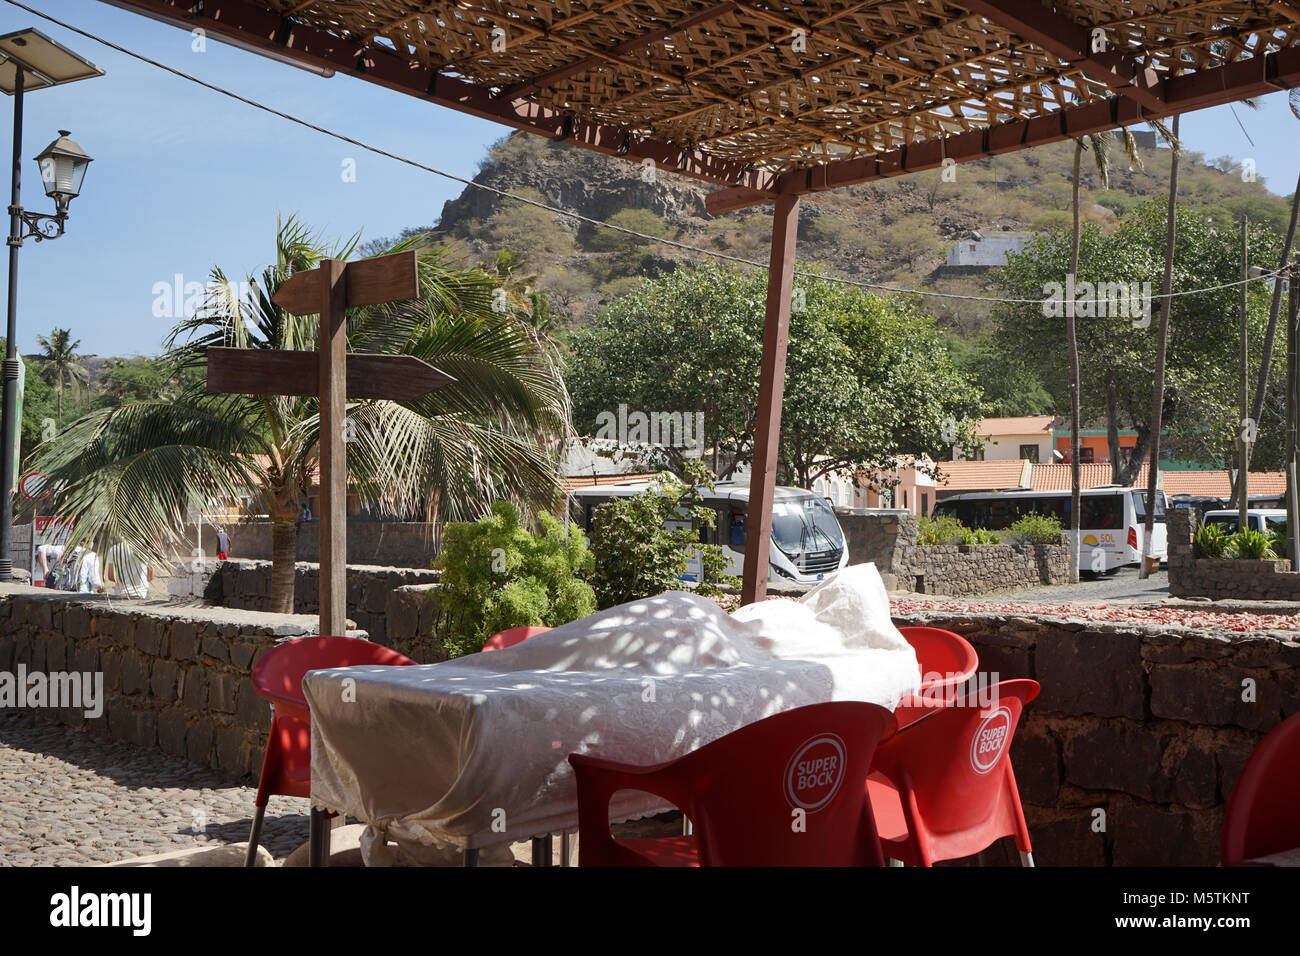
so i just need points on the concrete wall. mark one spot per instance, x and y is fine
(1150, 726)
(1219, 578)
(175, 678)
(888, 538)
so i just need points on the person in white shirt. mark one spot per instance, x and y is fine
(124, 567)
(47, 558)
(88, 578)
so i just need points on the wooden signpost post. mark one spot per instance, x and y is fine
(334, 375)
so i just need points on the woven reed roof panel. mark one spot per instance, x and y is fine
(783, 86)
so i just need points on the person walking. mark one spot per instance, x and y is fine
(223, 544)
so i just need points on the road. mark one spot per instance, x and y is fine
(1122, 587)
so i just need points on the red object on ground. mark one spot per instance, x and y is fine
(511, 637)
(1264, 810)
(277, 677)
(947, 662)
(742, 792)
(943, 787)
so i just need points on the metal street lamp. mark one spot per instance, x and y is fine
(31, 60)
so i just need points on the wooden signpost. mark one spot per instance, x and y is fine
(333, 375)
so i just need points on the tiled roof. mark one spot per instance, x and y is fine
(1027, 425)
(591, 481)
(981, 475)
(1056, 477)
(1219, 484)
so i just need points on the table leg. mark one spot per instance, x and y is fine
(542, 849)
(470, 858)
(318, 840)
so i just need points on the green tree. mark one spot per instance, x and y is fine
(133, 472)
(61, 365)
(1118, 349)
(868, 379)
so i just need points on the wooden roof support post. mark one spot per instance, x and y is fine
(333, 450)
(771, 390)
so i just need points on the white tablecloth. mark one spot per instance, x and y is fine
(473, 752)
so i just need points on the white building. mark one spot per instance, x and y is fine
(1008, 439)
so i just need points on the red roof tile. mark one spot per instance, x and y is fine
(1056, 476)
(981, 475)
(1219, 484)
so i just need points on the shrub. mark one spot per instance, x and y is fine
(980, 536)
(1211, 542)
(1036, 529)
(1251, 546)
(940, 529)
(496, 575)
(637, 556)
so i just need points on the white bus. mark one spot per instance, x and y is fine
(1111, 530)
(807, 541)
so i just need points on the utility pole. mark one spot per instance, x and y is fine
(1246, 432)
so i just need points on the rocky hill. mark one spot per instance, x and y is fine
(896, 231)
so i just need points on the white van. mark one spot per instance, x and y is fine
(807, 541)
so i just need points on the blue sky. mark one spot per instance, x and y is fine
(185, 178)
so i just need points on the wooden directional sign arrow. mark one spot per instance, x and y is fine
(334, 375)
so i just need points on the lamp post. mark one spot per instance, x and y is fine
(31, 60)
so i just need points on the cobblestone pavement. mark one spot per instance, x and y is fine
(68, 797)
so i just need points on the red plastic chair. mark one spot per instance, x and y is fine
(277, 677)
(742, 792)
(947, 659)
(511, 637)
(1264, 810)
(943, 787)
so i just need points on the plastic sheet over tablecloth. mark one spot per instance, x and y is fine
(473, 752)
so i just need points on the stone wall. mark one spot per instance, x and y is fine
(1151, 727)
(1222, 579)
(406, 543)
(246, 585)
(888, 538)
(175, 678)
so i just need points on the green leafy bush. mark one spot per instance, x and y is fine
(497, 575)
(637, 556)
(1036, 529)
(1211, 542)
(940, 529)
(980, 536)
(1251, 546)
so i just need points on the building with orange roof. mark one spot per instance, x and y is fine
(1028, 437)
(956, 477)
(1056, 477)
(1218, 483)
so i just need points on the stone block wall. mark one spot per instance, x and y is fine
(174, 678)
(889, 540)
(1150, 727)
(246, 585)
(1222, 579)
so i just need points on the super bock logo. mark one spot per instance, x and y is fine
(815, 772)
(990, 740)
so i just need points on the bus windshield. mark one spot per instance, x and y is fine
(802, 525)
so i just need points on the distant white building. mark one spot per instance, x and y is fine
(986, 252)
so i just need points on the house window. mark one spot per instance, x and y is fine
(925, 502)
(976, 455)
(904, 498)
(1085, 454)
(1030, 452)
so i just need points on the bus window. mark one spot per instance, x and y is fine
(1140, 506)
(1105, 512)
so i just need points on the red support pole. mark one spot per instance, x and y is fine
(771, 389)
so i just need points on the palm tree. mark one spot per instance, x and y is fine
(59, 353)
(134, 472)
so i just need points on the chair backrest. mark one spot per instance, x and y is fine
(743, 791)
(946, 659)
(1263, 815)
(955, 760)
(511, 637)
(278, 675)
